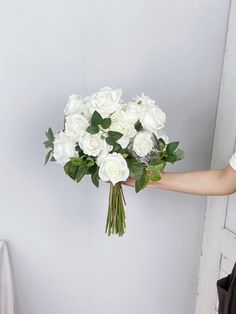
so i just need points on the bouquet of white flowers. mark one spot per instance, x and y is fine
(110, 139)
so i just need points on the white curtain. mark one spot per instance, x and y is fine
(6, 285)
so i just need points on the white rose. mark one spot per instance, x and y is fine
(64, 148)
(152, 118)
(143, 144)
(162, 134)
(132, 112)
(105, 101)
(106, 149)
(92, 144)
(125, 128)
(144, 100)
(113, 167)
(75, 104)
(75, 126)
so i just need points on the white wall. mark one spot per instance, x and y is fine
(63, 262)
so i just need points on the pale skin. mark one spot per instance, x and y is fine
(206, 182)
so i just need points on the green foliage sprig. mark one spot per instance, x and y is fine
(49, 144)
(142, 173)
(96, 121)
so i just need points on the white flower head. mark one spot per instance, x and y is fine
(64, 148)
(106, 149)
(120, 124)
(76, 104)
(113, 167)
(75, 126)
(132, 112)
(152, 118)
(144, 100)
(92, 144)
(143, 144)
(106, 101)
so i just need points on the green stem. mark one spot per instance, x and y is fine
(115, 223)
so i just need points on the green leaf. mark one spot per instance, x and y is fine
(141, 183)
(157, 165)
(114, 135)
(171, 147)
(179, 153)
(171, 158)
(67, 166)
(91, 169)
(110, 141)
(90, 162)
(136, 168)
(95, 178)
(161, 144)
(138, 126)
(155, 176)
(116, 147)
(96, 118)
(92, 129)
(106, 122)
(81, 172)
(50, 135)
(76, 161)
(71, 170)
(48, 144)
(47, 157)
(77, 148)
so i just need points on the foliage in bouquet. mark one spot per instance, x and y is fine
(110, 140)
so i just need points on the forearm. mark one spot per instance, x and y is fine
(209, 182)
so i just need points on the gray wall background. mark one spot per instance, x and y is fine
(63, 263)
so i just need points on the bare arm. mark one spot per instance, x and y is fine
(208, 182)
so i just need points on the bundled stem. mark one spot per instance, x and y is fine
(116, 213)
